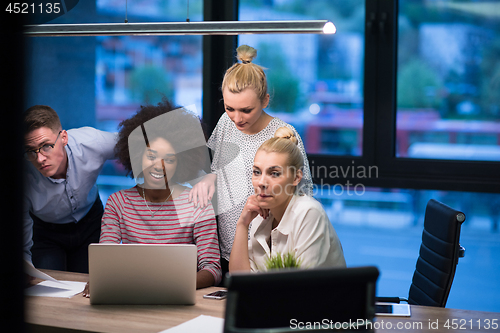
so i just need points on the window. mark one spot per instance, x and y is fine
(363, 148)
(448, 91)
(100, 81)
(415, 141)
(315, 81)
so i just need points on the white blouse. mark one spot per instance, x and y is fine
(304, 231)
(233, 155)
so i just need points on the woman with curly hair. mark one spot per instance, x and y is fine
(163, 148)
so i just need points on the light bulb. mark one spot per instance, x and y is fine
(329, 28)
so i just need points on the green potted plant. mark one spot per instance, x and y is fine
(281, 261)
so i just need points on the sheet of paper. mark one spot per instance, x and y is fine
(47, 288)
(206, 324)
(32, 271)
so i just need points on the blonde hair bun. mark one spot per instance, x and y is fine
(246, 54)
(246, 74)
(286, 133)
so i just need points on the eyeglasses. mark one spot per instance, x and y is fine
(45, 150)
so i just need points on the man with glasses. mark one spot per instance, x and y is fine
(62, 209)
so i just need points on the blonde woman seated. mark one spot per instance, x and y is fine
(283, 222)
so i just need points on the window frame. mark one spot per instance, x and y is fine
(453, 175)
(379, 109)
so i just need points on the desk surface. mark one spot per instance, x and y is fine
(47, 314)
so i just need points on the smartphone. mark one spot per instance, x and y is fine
(392, 309)
(219, 294)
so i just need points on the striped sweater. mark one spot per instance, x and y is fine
(127, 219)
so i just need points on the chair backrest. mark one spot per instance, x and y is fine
(285, 300)
(439, 253)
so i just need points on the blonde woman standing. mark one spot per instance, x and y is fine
(239, 133)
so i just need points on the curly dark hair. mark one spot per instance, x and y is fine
(182, 129)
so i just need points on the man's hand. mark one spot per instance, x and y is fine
(28, 280)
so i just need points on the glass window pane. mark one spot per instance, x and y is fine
(133, 70)
(448, 80)
(315, 81)
(99, 81)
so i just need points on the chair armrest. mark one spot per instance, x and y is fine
(391, 299)
(461, 251)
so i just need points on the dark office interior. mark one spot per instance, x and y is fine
(403, 182)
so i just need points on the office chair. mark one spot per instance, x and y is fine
(282, 301)
(438, 258)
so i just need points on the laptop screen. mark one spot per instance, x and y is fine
(142, 273)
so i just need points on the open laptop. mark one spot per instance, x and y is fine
(316, 300)
(142, 273)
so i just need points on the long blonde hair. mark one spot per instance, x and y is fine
(246, 74)
(285, 142)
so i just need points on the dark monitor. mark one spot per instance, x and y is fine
(322, 300)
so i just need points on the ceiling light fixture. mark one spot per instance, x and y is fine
(182, 28)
